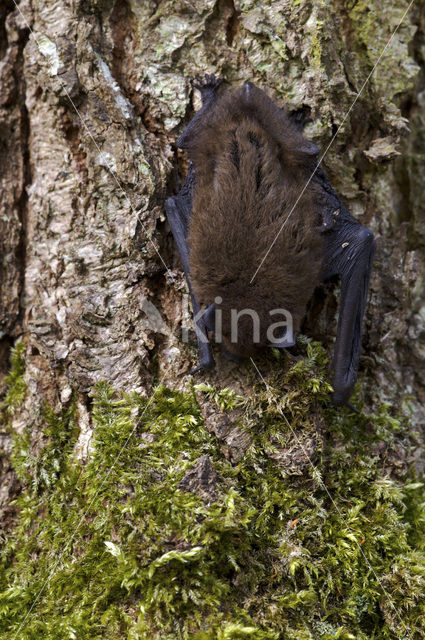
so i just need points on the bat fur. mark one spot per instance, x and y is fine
(251, 165)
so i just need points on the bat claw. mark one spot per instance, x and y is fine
(209, 82)
(203, 365)
(339, 400)
(196, 369)
(352, 407)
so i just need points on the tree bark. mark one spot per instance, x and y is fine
(92, 98)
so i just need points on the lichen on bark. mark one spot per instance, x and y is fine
(107, 89)
(91, 104)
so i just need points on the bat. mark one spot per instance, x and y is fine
(258, 226)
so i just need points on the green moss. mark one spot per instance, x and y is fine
(119, 548)
(316, 45)
(14, 381)
(373, 35)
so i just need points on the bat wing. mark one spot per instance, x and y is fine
(349, 250)
(178, 209)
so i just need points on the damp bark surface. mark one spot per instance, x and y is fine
(93, 96)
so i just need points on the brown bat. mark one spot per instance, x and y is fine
(258, 227)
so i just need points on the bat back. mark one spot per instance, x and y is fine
(248, 202)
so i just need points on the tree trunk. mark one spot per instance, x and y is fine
(92, 98)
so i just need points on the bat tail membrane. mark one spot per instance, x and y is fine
(177, 218)
(352, 249)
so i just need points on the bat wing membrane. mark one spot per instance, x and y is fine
(349, 251)
(178, 209)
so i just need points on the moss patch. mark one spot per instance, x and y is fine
(14, 381)
(123, 547)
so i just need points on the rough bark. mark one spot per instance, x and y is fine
(92, 98)
(91, 104)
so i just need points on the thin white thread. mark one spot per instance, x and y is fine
(319, 478)
(331, 142)
(70, 539)
(167, 269)
(146, 407)
(108, 166)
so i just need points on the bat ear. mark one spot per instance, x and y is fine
(208, 317)
(309, 148)
(284, 343)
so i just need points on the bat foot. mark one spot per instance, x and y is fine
(301, 117)
(352, 407)
(206, 84)
(341, 399)
(203, 365)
